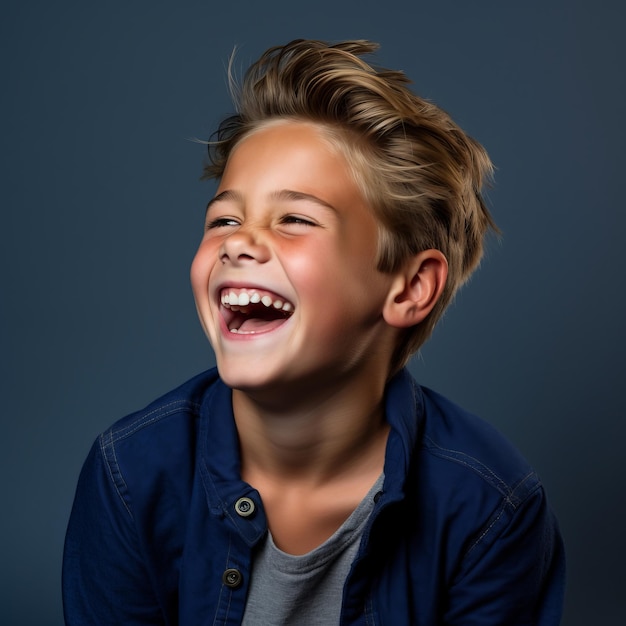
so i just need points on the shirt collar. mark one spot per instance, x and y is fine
(220, 464)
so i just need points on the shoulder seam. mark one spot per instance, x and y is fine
(486, 473)
(506, 501)
(148, 418)
(109, 438)
(113, 471)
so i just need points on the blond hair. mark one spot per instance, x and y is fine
(421, 174)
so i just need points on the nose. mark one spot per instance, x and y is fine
(244, 245)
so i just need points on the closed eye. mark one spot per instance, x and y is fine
(297, 219)
(221, 222)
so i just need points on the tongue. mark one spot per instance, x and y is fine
(257, 325)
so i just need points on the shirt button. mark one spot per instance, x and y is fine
(232, 578)
(244, 507)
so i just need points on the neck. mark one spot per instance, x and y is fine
(312, 437)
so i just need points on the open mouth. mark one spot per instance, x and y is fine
(252, 311)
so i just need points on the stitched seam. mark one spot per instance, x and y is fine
(209, 485)
(519, 485)
(505, 502)
(219, 598)
(109, 439)
(117, 471)
(472, 463)
(486, 531)
(369, 612)
(152, 412)
(151, 417)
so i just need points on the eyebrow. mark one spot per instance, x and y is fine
(281, 195)
(229, 194)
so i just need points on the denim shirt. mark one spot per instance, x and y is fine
(163, 529)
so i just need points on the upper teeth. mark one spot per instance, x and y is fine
(231, 298)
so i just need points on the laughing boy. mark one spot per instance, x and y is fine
(309, 479)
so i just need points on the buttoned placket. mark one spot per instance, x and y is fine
(245, 508)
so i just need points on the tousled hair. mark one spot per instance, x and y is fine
(421, 174)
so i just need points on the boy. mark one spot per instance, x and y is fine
(312, 481)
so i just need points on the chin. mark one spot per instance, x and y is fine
(247, 377)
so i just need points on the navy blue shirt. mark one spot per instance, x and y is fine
(460, 534)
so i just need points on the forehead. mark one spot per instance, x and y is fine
(291, 155)
(284, 134)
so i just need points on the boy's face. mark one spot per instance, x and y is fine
(285, 278)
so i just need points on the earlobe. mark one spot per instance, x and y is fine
(416, 289)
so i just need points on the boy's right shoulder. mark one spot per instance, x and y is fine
(159, 440)
(174, 410)
(150, 455)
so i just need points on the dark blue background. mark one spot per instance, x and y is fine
(102, 210)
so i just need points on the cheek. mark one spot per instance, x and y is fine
(331, 273)
(196, 273)
(312, 271)
(201, 267)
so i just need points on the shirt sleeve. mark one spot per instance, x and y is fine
(514, 572)
(105, 578)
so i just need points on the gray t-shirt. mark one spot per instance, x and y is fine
(305, 590)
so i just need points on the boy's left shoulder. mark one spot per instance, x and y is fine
(476, 519)
(467, 443)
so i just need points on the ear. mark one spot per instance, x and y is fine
(416, 289)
